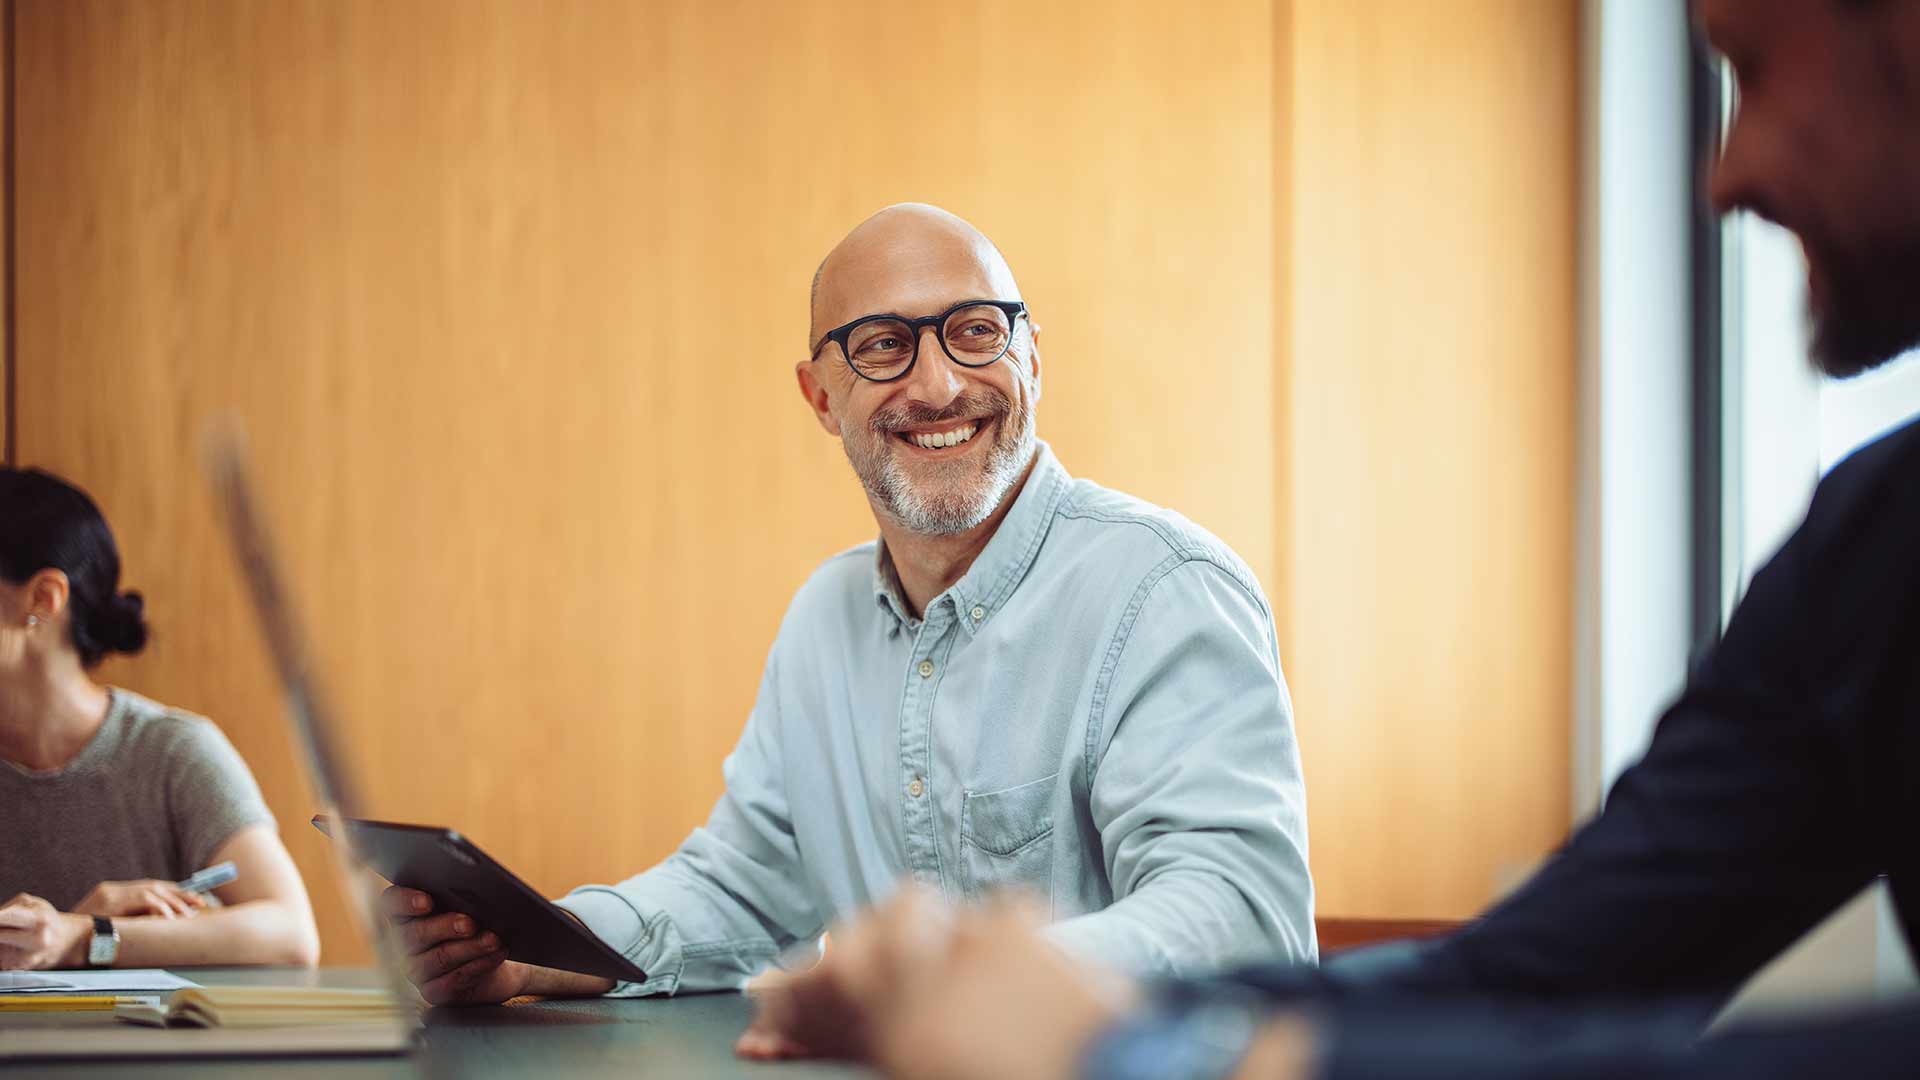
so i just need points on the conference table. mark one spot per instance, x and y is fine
(688, 1036)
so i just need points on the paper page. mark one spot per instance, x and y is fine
(11, 981)
(129, 981)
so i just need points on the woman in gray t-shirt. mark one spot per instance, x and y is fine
(108, 799)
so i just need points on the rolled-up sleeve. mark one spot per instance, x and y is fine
(719, 909)
(1198, 796)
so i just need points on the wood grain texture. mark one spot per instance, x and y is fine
(1427, 442)
(508, 301)
(6, 234)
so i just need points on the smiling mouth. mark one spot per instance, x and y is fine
(941, 440)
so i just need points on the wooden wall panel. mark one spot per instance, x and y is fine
(508, 303)
(508, 300)
(1427, 441)
(6, 234)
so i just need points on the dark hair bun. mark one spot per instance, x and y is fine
(125, 624)
(48, 524)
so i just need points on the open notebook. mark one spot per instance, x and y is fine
(224, 1022)
(270, 1007)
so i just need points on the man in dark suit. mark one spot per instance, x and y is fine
(1785, 779)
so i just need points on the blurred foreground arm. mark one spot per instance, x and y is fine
(926, 994)
(924, 991)
(1434, 1039)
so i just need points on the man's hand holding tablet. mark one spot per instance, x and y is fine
(452, 960)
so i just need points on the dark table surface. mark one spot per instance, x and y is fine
(667, 1037)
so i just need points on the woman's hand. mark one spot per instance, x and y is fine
(125, 899)
(34, 935)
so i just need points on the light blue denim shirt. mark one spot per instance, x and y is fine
(1094, 713)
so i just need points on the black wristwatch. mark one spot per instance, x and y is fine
(104, 948)
(1205, 1039)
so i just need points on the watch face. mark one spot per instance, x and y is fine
(102, 950)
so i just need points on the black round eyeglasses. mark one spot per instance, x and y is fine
(882, 348)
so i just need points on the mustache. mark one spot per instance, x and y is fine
(970, 405)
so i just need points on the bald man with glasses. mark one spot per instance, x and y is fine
(1028, 681)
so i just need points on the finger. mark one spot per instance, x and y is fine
(419, 935)
(24, 939)
(449, 957)
(194, 901)
(777, 1012)
(752, 1042)
(151, 902)
(402, 903)
(756, 1045)
(458, 984)
(171, 898)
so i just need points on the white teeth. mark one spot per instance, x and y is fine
(945, 439)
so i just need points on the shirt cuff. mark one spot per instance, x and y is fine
(653, 946)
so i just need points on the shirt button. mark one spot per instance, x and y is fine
(979, 613)
(916, 789)
(926, 669)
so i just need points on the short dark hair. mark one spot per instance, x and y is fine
(47, 523)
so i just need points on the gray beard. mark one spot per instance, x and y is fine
(959, 495)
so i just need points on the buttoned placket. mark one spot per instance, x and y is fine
(932, 646)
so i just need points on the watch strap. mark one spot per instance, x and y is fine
(105, 941)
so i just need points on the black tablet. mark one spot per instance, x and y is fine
(460, 877)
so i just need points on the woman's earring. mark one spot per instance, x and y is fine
(33, 620)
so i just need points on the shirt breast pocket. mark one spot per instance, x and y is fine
(1006, 839)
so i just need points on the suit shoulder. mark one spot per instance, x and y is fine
(1873, 491)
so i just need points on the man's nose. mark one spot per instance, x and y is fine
(935, 380)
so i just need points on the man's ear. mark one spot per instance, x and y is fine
(1033, 357)
(807, 374)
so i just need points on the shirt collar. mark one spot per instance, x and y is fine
(886, 588)
(1001, 565)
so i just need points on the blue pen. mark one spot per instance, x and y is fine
(211, 878)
